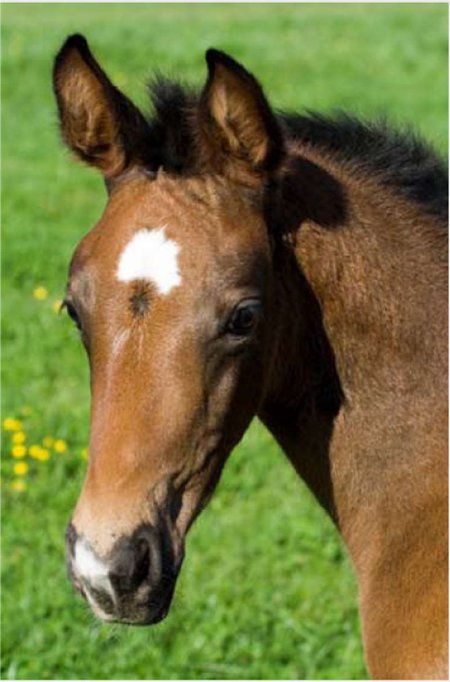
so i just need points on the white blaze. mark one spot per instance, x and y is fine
(151, 256)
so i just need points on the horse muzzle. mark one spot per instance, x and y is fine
(134, 583)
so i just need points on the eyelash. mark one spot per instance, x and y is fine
(72, 313)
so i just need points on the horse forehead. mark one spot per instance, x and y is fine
(167, 257)
(156, 230)
(196, 210)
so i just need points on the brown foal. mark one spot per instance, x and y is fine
(252, 263)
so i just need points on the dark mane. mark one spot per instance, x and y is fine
(398, 159)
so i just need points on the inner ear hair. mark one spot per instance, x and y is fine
(240, 120)
(98, 123)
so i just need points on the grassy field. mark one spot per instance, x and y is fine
(267, 590)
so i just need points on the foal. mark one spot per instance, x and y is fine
(249, 263)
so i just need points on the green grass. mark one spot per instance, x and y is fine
(266, 590)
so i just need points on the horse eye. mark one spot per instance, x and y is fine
(244, 318)
(72, 313)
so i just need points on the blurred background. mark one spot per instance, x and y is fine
(267, 590)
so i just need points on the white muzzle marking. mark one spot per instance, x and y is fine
(92, 572)
(151, 256)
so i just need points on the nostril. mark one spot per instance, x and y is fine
(131, 566)
(142, 561)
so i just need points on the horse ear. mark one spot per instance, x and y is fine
(97, 121)
(236, 120)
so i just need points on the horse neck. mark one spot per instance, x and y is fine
(359, 351)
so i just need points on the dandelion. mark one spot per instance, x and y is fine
(34, 451)
(11, 424)
(60, 445)
(18, 438)
(56, 306)
(18, 451)
(84, 453)
(40, 293)
(39, 453)
(43, 455)
(48, 441)
(18, 485)
(21, 468)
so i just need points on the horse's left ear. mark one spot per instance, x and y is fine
(237, 125)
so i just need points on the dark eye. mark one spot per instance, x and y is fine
(72, 313)
(244, 318)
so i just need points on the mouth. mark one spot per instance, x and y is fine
(152, 613)
(129, 610)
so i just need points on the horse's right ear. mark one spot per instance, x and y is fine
(97, 121)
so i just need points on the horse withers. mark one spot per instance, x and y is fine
(253, 263)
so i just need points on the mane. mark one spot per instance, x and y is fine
(398, 159)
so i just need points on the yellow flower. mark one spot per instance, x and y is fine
(18, 485)
(56, 306)
(34, 451)
(48, 441)
(60, 445)
(40, 293)
(18, 438)
(20, 468)
(84, 452)
(39, 453)
(44, 455)
(11, 424)
(18, 451)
